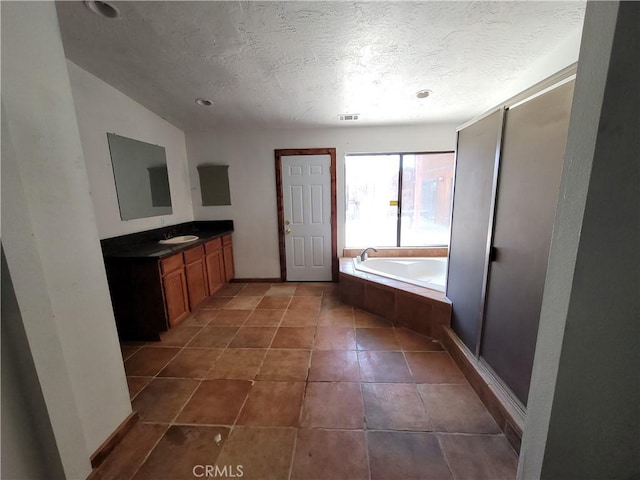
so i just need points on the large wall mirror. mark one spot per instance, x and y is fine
(142, 181)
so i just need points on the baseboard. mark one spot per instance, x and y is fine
(256, 280)
(507, 413)
(113, 440)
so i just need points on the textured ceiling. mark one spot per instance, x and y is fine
(296, 64)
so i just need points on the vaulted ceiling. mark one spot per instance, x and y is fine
(299, 64)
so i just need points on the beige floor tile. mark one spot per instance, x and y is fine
(330, 454)
(242, 363)
(264, 453)
(285, 364)
(406, 455)
(456, 409)
(294, 337)
(383, 367)
(182, 448)
(136, 384)
(336, 317)
(335, 338)
(283, 290)
(481, 457)
(333, 405)
(434, 367)
(365, 319)
(191, 363)
(234, 318)
(213, 337)
(414, 342)
(253, 337)
(148, 361)
(391, 406)
(215, 402)
(377, 339)
(265, 318)
(299, 319)
(243, 303)
(163, 398)
(273, 404)
(129, 454)
(274, 303)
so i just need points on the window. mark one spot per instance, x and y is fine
(398, 200)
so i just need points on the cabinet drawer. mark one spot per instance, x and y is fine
(170, 264)
(211, 246)
(226, 240)
(193, 254)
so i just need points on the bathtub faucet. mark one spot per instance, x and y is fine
(363, 255)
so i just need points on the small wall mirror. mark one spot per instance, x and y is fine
(214, 184)
(142, 181)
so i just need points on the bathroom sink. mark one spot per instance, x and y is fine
(179, 240)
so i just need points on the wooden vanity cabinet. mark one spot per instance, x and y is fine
(151, 295)
(196, 275)
(227, 256)
(174, 286)
(215, 265)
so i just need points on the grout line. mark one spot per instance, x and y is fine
(293, 453)
(364, 424)
(446, 458)
(144, 460)
(426, 410)
(244, 403)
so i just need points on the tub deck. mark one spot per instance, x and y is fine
(420, 309)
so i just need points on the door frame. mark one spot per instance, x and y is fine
(279, 153)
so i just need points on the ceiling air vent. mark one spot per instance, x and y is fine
(348, 116)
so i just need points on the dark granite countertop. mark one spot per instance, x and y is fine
(145, 244)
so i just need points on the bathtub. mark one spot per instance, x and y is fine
(429, 272)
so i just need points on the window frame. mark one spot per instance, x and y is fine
(399, 193)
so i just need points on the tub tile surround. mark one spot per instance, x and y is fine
(417, 308)
(333, 378)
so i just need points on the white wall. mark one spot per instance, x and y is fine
(583, 418)
(51, 240)
(250, 156)
(100, 108)
(560, 57)
(28, 445)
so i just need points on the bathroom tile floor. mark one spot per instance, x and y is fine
(284, 381)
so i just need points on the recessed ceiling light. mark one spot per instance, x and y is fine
(423, 93)
(104, 9)
(204, 102)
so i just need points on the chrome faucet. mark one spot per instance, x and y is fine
(169, 234)
(363, 255)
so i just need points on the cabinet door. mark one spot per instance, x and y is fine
(215, 271)
(227, 253)
(175, 294)
(196, 282)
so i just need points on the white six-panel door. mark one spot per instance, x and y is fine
(306, 192)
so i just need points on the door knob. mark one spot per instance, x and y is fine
(288, 230)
